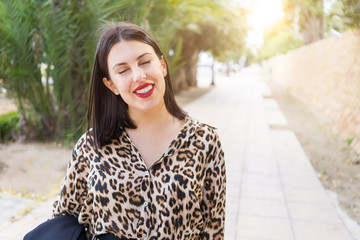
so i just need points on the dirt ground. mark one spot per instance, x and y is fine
(38, 167)
(32, 168)
(337, 165)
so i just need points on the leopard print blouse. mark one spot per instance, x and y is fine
(181, 196)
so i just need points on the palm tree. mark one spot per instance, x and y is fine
(21, 54)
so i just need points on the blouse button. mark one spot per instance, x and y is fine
(144, 235)
(147, 173)
(145, 204)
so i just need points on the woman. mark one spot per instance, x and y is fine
(145, 170)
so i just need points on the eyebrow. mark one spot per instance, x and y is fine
(140, 56)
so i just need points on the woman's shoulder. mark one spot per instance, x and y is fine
(200, 128)
(85, 142)
(204, 136)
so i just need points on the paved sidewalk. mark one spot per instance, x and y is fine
(272, 190)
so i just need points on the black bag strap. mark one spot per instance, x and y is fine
(109, 236)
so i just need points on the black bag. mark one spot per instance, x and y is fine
(62, 227)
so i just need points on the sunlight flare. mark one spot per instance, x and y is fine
(263, 13)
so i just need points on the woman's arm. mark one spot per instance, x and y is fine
(73, 189)
(213, 206)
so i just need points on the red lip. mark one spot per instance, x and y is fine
(142, 86)
(145, 95)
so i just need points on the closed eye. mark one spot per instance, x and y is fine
(146, 62)
(123, 71)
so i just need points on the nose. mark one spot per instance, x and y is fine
(138, 74)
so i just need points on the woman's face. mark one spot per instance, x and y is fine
(137, 74)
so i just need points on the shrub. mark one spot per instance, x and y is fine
(8, 126)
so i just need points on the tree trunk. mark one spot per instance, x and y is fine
(314, 26)
(186, 76)
(179, 80)
(314, 30)
(191, 69)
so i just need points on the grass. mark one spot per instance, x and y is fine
(9, 124)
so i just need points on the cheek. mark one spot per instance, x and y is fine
(125, 92)
(123, 86)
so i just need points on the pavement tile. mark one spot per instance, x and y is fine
(313, 212)
(301, 181)
(263, 207)
(262, 192)
(290, 155)
(273, 114)
(256, 178)
(260, 165)
(264, 228)
(306, 195)
(319, 231)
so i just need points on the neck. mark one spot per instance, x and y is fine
(150, 119)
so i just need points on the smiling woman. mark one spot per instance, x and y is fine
(145, 170)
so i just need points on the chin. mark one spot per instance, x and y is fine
(149, 106)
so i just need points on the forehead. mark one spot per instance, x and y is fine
(125, 51)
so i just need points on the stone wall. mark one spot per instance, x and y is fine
(325, 76)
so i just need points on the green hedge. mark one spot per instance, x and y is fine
(8, 124)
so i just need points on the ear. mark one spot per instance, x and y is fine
(163, 65)
(110, 85)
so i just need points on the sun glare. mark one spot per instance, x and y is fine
(263, 14)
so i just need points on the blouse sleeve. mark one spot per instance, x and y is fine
(73, 188)
(213, 206)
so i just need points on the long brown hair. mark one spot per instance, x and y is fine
(107, 113)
